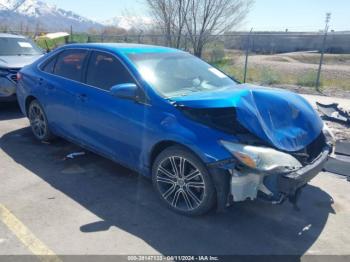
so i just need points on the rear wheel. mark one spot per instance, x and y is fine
(38, 122)
(183, 182)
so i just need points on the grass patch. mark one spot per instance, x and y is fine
(308, 79)
(269, 77)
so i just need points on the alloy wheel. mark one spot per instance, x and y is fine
(180, 183)
(37, 121)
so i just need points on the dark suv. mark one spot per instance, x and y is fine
(15, 52)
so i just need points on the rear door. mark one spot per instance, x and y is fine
(62, 86)
(111, 125)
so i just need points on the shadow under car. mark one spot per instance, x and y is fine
(126, 200)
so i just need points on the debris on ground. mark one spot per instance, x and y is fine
(342, 148)
(74, 155)
(332, 112)
(336, 118)
(340, 131)
(339, 165)
(340, 162)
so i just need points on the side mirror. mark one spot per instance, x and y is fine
(126, 91)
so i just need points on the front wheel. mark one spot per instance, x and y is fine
(183, 182)
(38, 122)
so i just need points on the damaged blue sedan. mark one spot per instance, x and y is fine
(205, 140)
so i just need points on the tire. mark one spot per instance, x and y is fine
(38, 122)
(182, 181)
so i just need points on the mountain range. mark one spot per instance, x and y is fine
(36, 15)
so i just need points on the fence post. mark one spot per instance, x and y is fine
(328, 17)
(246, 56)
(71, 34)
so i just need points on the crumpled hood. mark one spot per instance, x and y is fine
(17, 61)
(281, 118)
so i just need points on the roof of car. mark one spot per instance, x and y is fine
(3, 35)
(125, 48)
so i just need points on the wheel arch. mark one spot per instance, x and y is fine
(162, 145)
(28, 100)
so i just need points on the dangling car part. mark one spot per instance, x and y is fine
(332, 112)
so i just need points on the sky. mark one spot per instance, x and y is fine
(294, 15)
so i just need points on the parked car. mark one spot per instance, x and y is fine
(15, 52)
(203, 138)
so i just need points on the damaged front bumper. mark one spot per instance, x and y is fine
(236, 185)
(289, 184)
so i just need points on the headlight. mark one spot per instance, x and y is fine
(3, 72)
(261, 158)
(328, 134)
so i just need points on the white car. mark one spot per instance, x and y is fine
(15, 52)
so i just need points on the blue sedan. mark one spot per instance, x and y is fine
(204, 139)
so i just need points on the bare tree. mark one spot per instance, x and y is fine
(208, 18)
(171, 18)
(198, 20)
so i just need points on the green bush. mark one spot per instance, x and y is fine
(269, 77)
(308, 79)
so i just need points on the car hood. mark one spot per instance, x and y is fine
(17, 61)
(281, 118)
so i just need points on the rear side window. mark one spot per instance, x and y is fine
(70, 64)
(48, 67)
(105, 71)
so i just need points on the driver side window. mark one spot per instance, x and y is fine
(105, 71)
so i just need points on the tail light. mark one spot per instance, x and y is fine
(19, 76)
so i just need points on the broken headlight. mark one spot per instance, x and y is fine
(262, 158)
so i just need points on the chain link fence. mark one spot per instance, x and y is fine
(285, 59)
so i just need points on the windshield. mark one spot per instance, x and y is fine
(179, 74)
(18, 46)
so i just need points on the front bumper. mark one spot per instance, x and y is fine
(289, 184)
(7, 89)
(235, 186)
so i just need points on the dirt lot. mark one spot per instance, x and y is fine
(295, 71)
(90, 205)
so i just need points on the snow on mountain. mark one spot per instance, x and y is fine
(129, 22)
(7, 4)
(34, 12)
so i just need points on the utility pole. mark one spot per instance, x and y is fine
(71, 34)
(328, 18)
(246, 56)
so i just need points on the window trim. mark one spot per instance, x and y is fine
(47, 62)
(81, 76)
(55, 55)
(146, 101)
(85, 76)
